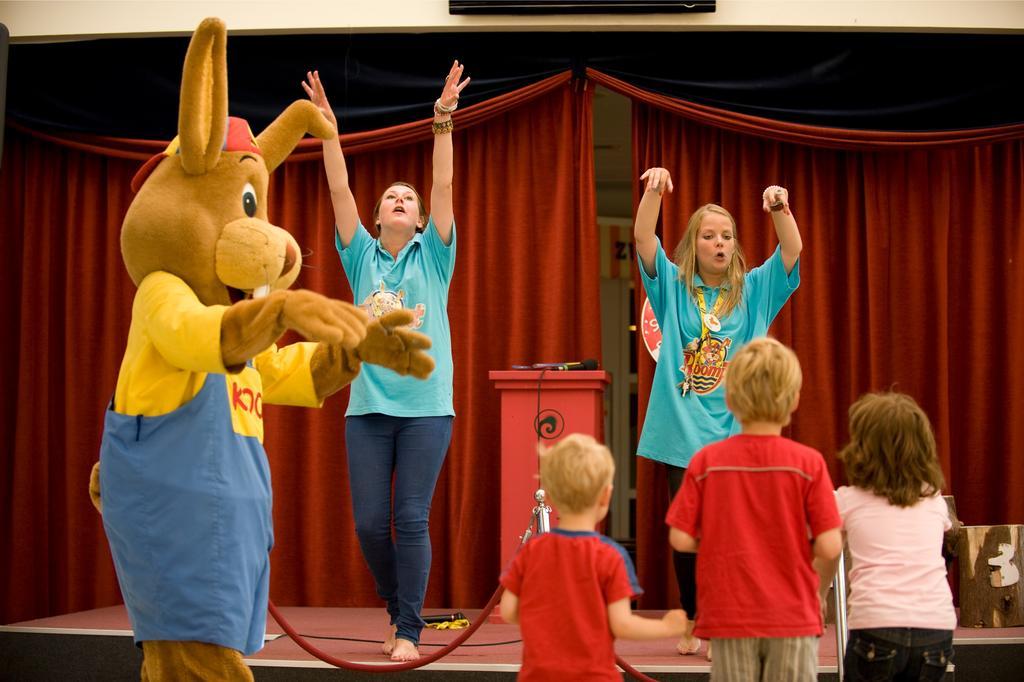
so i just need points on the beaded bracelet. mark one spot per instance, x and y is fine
(443, 127)
(440, 109)
(776, 205)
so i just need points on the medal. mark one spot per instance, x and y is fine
(709, 320)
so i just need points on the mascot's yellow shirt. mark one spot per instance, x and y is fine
(174, 342)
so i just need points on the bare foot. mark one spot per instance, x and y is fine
(404, 651)
(688, 645)
(708, 654)
(389, 643)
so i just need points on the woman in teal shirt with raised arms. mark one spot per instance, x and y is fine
(708, 305)
(397, 429)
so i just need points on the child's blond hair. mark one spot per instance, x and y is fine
(575, 471)
(762, 382)
(892, 449)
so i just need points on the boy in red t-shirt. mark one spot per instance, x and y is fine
(759, 510)
(569, 589)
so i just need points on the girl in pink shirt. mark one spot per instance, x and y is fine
(901, 615)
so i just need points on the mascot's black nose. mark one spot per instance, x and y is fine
(290, 256)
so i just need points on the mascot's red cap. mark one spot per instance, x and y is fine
(239, 138)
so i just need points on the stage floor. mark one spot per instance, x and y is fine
(354, 634)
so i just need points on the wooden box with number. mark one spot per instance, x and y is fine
(991, 580)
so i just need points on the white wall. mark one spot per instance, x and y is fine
(35, 20)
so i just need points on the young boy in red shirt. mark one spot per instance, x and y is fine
(569, 589)
(760, 512)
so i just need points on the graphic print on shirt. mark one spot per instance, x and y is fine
(382, 301)
(704, 363)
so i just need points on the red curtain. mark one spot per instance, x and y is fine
(527, 245)
(911, 278)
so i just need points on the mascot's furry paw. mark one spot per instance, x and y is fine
(94, 488)
(390, 343)
(319, 318)
(249, 326)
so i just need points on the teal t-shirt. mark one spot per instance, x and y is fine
(418, 280)
(677, 425)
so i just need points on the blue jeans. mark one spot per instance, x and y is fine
(904, 654)
(408, 451)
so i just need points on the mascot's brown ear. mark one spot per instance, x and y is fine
(281, 136)
(203, 112)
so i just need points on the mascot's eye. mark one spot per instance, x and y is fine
(249, 200)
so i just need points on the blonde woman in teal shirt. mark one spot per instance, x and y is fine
(708, 305)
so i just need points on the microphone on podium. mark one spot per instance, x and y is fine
(588, 364)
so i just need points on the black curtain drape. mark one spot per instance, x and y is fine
(890, 81)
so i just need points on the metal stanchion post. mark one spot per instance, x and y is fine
(541, 513)
(540, 518)
(842, 634)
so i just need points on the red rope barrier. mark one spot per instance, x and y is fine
(633, 672)
(385, 667)
(423, 660)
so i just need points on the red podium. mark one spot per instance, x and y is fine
(539, 407)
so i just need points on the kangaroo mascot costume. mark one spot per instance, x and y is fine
(183, 482)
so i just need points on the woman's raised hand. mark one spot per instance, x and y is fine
(658, 180)
(315, 90)
(449, 98)
(775, 198)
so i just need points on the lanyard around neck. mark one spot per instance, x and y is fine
(709, 322)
